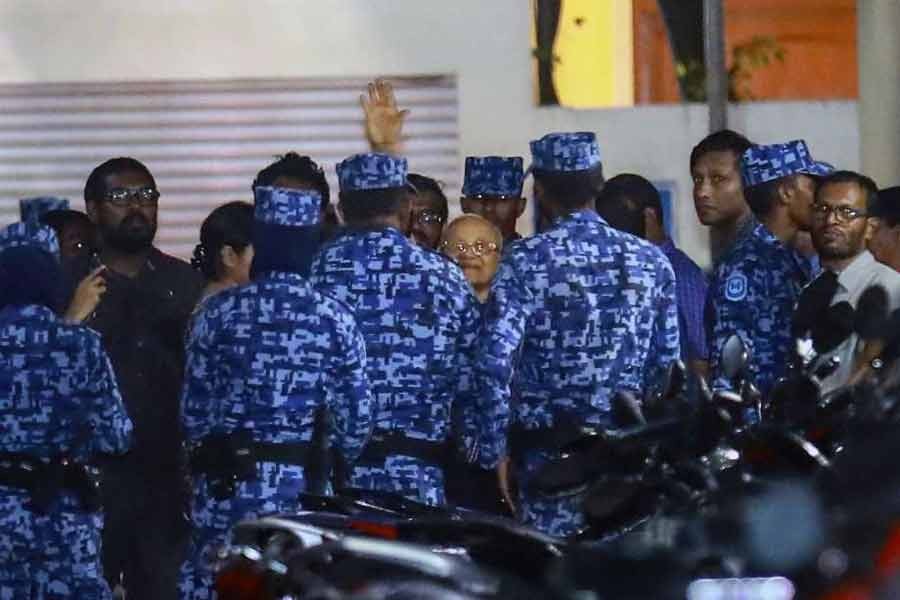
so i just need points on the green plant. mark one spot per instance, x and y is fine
(758, 53)
(692, 77)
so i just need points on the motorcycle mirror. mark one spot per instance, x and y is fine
(626, 410)
(734, 357)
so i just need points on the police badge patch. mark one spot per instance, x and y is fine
(736, 287)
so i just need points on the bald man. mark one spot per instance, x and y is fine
(475, 244)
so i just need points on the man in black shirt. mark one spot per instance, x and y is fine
(142, 317)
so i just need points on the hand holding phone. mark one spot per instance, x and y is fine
(87, 296)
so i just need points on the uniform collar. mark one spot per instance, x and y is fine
(765, 235)
(32, 312)
(583, 216)
(285, 276)
(747, 228)
(391, 232)
(744, 233)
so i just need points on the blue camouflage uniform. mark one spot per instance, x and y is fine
(492, 178)
(58, 398)
(756, 285)
(576, 313)
(32, 209)
(419, 318)
(265, 357)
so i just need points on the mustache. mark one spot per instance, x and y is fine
(133, 220)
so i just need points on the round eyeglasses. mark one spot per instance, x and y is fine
(429, 217)
(842, 214)
(477, 248)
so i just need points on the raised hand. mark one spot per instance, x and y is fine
(384, 121)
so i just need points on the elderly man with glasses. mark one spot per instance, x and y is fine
(474, 243)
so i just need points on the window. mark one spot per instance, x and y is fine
(204, 141)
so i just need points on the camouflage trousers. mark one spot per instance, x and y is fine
(560, 517)
(49, 556)
(404, 475)
(274, 491)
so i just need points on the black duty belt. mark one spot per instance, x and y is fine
(228, 458)
(45, 480)
(383, 444)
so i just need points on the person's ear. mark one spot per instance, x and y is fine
(229, 257)
(405, 214)
(650, 221)
(871, 228)
(785, 190)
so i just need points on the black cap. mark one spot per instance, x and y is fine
(887, 206)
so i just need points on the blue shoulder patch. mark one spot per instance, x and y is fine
(736, 287)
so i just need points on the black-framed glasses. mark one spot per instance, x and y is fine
(122, 197)
(842, 214)
(476, 248)
(429, 217)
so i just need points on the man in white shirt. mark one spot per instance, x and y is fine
(840, 228)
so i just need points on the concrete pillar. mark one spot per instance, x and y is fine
(714, 57)
(878, 43)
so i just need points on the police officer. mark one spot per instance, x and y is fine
(576, 313)
(274, 369)
(493, 189)
(757, 283)
(419, 318)
(60, 410)
(718, 194)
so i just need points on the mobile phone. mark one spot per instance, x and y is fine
(95, 262)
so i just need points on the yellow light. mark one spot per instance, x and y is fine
(594, 43)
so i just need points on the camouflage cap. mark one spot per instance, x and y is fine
(371, 171)
(292, 208)
(29, 233)
(493, 176)
(761, 164)
(32, 209)
(565, 152)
